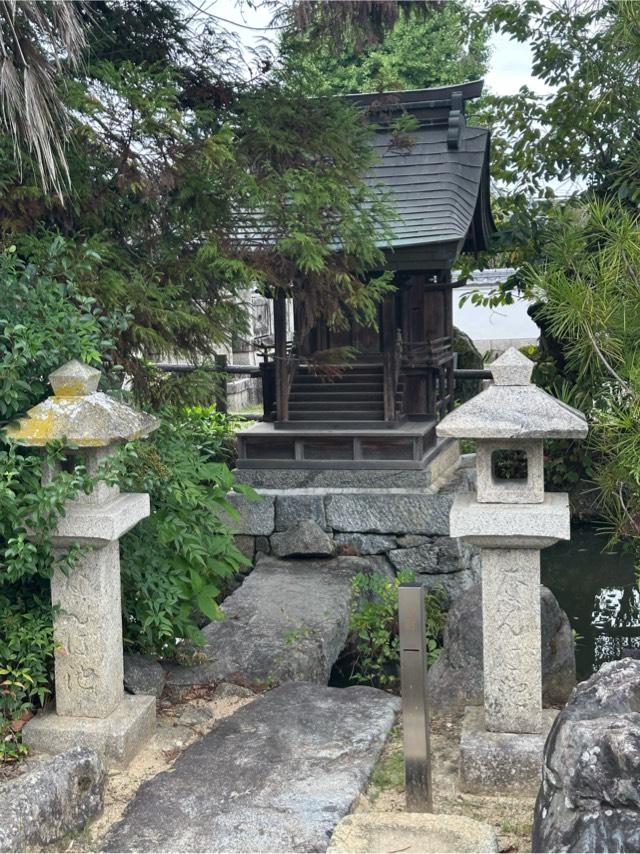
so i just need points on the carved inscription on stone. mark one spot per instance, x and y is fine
(88, 635)
(511, 640)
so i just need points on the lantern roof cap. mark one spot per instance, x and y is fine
(513, 408)
(80, 415)
(512, 368)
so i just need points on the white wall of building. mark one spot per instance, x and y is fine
(493, 329)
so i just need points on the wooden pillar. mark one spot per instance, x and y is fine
(221, 380)
(267, 374)
(281, 366)
(389, 356)
(449, 334)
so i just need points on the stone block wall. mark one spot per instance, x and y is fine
(244, 393)
(398, 528)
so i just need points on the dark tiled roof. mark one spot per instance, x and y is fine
(439, 180)
(433, 189)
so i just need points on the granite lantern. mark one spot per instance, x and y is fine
(511, 519)
(91, 706)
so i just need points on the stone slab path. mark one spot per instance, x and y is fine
(276, 776)
(287, 622)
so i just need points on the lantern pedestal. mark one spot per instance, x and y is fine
(92, 709)
(493, 763)
(116, 738)
(502, 744)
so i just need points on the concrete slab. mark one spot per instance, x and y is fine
(388, 833)
(506, 763)
(278, 775)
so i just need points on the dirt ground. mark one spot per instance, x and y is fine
(511, 817)
(177, 726)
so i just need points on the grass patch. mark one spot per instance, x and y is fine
(388, 775)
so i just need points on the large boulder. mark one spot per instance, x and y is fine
(59, 796)
(456, 679)
(590, 794)
(277, 775)
(143, 674)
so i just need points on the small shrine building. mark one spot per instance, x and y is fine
(380, 411)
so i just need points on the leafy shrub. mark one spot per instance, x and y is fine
(45, 320)
(176, 563)
(26, 653)
(373, 646)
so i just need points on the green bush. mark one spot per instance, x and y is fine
(176, 563)
(373, 646)
(45, 320)
(26, 653)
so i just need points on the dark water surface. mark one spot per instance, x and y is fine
(599, 593)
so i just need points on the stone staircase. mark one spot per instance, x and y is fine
(354, 398)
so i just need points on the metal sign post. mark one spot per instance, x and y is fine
(415, 710)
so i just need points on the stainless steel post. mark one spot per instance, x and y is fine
(415, 709)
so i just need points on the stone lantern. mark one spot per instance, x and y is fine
(510, 518)
(91, 706)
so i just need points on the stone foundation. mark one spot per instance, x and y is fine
(404, 527)
(494, 763)
(115, 738)
(243, 393)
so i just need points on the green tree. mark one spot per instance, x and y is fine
(584, 128)
(192, 183)
(587, 54)
(590, 303)
(420, 51)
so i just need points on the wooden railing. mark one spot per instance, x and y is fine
(427, 354)
(433, 361)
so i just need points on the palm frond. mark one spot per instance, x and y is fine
(37, 38)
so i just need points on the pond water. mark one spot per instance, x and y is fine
(599, 593)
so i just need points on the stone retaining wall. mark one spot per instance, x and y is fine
(243, 393)
(403, 528)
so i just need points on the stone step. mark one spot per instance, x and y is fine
(376, 832)
(276, 776)
(288, 621)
